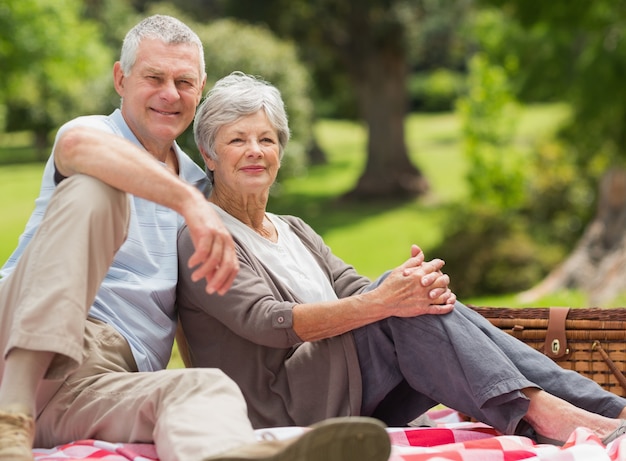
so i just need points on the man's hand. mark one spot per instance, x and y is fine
(214, 257)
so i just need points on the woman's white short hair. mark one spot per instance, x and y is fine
(233, 97)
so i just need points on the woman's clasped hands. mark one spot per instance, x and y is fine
(418, 287)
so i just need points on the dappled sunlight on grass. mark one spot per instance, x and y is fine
(383, 241)
(434, 144)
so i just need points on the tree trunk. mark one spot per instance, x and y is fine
(383, 101)
(373, 51)
(315, 153)
(41, 142)
(597, 266)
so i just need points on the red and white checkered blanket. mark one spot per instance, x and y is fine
(451, 440)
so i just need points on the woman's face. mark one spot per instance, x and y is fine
(247, 155)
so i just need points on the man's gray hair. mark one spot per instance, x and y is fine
(167, 29)
(233, 97)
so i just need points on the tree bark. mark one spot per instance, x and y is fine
(374, 54)
(383, 101)
(42, 144)
(597, 266)
(315, 153)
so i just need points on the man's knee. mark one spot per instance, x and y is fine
(92, 193)
(211, 380)
(85, 197)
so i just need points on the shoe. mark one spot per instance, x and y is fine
(17, 432)
(621, 430)
(335, 439)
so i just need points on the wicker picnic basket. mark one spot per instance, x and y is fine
(591, 341)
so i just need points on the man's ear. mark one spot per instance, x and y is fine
(202, 85)
(118, 78)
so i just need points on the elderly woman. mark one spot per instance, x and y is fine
(306, 337)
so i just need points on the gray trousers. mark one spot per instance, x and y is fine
(461, 360)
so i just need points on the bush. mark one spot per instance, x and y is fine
(435, 91)
(560, 193)
(487, 253)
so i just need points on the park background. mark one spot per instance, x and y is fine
(481, 130)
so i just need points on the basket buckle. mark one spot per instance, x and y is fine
(555, 345)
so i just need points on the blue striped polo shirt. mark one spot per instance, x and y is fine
(138, 293)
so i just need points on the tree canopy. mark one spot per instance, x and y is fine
(574, 52)
(54, 64)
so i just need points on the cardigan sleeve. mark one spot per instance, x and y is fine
(258, 307)
(254, 308)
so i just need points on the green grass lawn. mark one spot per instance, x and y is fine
(19, 186)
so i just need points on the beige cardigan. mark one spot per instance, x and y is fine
(248, 333)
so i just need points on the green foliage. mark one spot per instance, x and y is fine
(435, 91)
(117, 18)
(560, 199)
(526, 209)
(54, 65)
(488, 112)
(333, 36)
(542, 50)
(489, 252)
(433, 30)
(573, 52)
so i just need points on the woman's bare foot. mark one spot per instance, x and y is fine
(556, 419)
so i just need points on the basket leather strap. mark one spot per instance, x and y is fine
(621, 379)
(555, 346)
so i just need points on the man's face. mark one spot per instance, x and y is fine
(161, 93)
